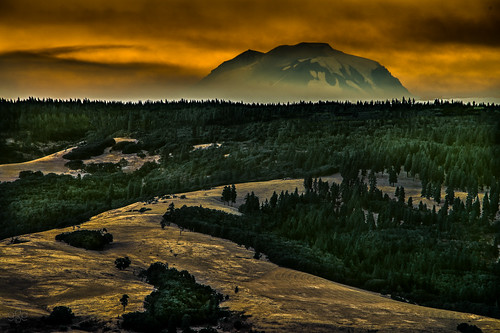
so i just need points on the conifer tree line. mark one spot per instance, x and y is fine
(353, 233)
(450, 145)
(443, 256)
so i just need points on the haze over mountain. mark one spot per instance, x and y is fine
(306, 71)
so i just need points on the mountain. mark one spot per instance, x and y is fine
(306, 71)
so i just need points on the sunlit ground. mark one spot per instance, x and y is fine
(42, 273)
(55, 163)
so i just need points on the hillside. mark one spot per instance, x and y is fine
(436, 244)
(42, 273)
(55, 163)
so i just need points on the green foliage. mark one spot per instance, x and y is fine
(75, 164)
(441, 259)
(124, 301)
(122, 263)
(352, 233)
(177, 301)
(127, 147)
(229, 194)
(251, 204)
(261, 142)
(102, 167)
(87, 239)
(61, 315)
(466, 328)
(91, 149)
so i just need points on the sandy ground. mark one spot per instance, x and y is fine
(55, 163)
(37, 275)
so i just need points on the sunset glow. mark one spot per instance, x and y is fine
(155, 49)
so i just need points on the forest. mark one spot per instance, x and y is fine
(353, 234)
(347, 232)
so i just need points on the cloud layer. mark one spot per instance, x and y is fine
(153, 48)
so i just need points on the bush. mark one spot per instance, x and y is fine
(176, 301)
(122, 263)
(466, 328)
(132, 148)
(140, 322)
(124, 145)
(75, 164)
(87, 151)
(61, 315)
(87, 239)
(30, 174)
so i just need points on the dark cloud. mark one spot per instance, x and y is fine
(47, 58)
(55, 51)
(43, 73)
(186, 39)
(478, 26)
(237, 23)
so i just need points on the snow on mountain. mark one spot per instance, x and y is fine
(306, 71)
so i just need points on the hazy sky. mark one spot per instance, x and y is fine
(153, 49)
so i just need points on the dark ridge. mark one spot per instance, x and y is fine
(242, 59)
(303, 49)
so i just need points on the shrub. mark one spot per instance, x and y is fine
(87, 239)
(466, 328)
(121, 146)
(132, 148)
(75, 164)
(30, 174)
(89, 150)
(176, 301)
(61, 315)
(122, 263)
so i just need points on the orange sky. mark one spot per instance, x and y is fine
(152, 49)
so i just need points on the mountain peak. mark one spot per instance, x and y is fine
(308, 70)
(313, 45)
(304, 49)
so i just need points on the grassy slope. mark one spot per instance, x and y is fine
(43, 273)
(55, 163)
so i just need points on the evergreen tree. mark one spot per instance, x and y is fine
(450, 195)
(124, 301)
(486, 206)
(226, 194)
(437, 193)
(428, 191)
(494, 199)
(401, 194)
(423, 191)
(233, 194)
(273, 200)
(372, 179)
(308, 183)
(251, 204)
(408, 164)
(370, 221)
(169, 216)
(393, 177)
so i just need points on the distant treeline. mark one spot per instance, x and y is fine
(444, 144)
